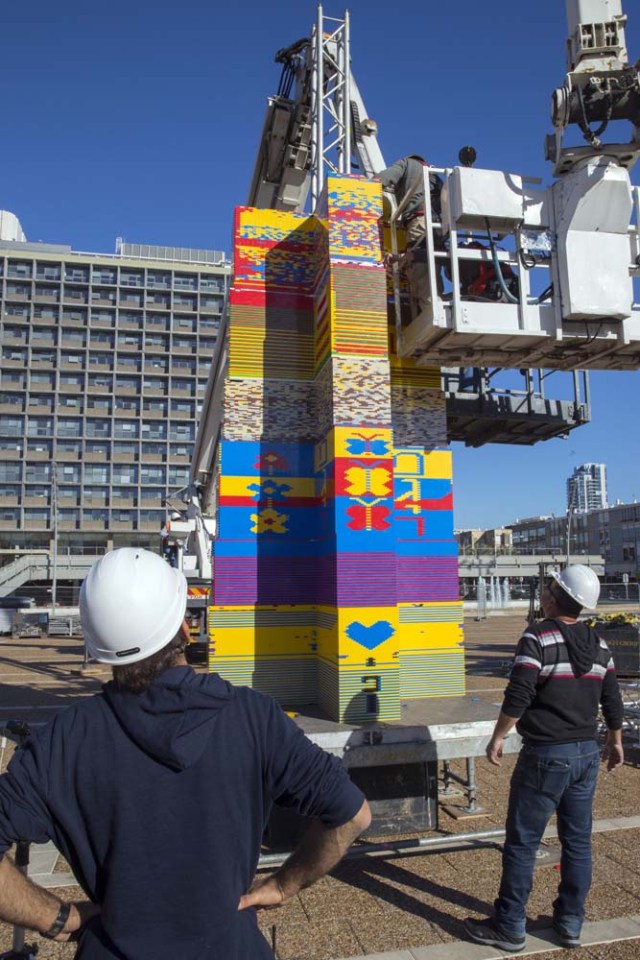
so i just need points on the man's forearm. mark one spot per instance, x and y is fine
(320, 850)
(504, 725)
(22, 902)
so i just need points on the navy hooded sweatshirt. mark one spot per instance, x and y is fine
(158, 801)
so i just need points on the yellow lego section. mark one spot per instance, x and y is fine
(435, 465)
(254, 223)
(283, 487)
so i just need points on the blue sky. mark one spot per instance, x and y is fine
(142, 119)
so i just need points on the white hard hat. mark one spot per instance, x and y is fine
(131, 605)
(580, 583)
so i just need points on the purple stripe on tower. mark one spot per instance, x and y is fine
(271, 580)
(426, 579)
(365, 579)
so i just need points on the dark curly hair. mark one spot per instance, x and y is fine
(137, 677)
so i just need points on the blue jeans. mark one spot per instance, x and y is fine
(549, 778)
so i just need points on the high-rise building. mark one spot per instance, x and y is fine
(587, 488)
(104, 363)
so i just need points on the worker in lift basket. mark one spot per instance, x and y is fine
(562, 673)
(406, 176)
(157, 788)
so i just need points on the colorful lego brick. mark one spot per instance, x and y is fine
(335, 562)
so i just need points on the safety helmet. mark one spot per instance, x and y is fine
(580, 583)
(131, 605)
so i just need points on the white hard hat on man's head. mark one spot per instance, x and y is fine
(580, 583)
(131, 605)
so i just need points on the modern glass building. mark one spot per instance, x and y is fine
(587, 488)
(104, 362)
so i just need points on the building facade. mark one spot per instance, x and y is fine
(104, 361)
(613, 533)
(587, 488)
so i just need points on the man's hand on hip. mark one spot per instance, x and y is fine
(265, 894)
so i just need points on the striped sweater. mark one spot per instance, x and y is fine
(561, 674)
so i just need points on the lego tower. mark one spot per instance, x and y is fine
(335, 565)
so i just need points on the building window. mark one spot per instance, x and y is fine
(157, 320)
(178, 476)
(37, 472)
(154, 430)
(42, 380)
(35, 515)
(97, 448)
(131, 278)
(97, 381)
(185, 281)
(152, 475)
(181, 431)
(99, 336)
(162, 280)
(104, 275)
(11, 446)
(68, 473)
(39, 446)
(69, 428)
(125, 449)
(102, 296)
(10, 472)
(125, 429)
(103, 318)
(79, 316)
(128, 403)
(45, 313)
(152, 516)
(96, 473)
(76, 273)
(124, 473)
(100, 359)
(68, 379)
(48, 271)
(95, 515)
(19, 268)
(41, 426)
(99, 402)
(97, 428)
(17, 356)
(68, 448)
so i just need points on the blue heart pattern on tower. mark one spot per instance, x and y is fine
(370, 636)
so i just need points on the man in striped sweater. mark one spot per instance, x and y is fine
(561, 675)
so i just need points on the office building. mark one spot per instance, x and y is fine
(104, 363)
(587, 488)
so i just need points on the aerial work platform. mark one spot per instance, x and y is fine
(570, 253)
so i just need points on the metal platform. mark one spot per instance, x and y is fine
(431, 728)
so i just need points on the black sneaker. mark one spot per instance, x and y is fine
(565, 938)
(486, 931)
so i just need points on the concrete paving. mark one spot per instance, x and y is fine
(593, 934)
(396, 908)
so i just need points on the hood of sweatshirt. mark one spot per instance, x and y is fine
(173, 719)
(582, 644)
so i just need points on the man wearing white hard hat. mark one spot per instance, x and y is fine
(562, 674)
(157, 790)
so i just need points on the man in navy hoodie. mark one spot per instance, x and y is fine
(157, 790)
(562, 674)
